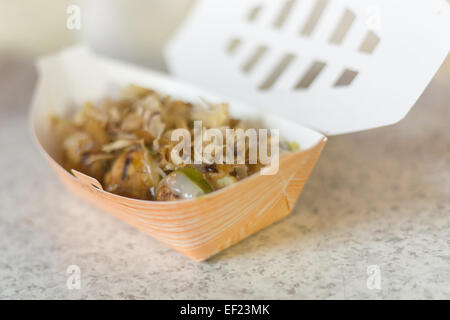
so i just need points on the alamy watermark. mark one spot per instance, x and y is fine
(74, 280)
(373, 20)
(73, 21)
(227, 146)
(374, 277)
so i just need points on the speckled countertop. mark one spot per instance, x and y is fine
(380, 197)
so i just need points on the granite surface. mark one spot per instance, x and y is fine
(377, 198)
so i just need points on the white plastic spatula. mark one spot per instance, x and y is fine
(334, 65)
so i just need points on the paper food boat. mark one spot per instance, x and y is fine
(296, 65)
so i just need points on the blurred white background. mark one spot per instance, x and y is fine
(131, 30)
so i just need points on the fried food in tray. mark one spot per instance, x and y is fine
(126, 145)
